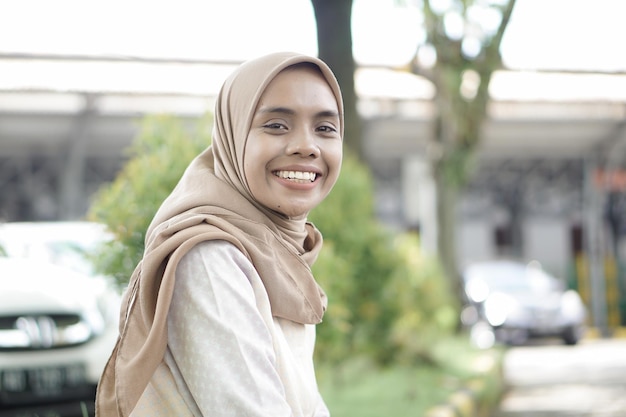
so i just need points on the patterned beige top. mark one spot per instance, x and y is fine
(227, 355)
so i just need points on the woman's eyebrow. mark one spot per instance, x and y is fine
(327, 113)
(291, 112)
(283, 110)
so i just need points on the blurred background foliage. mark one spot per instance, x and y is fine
(157, 158)
(387, 300)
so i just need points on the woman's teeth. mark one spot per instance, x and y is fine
(297, 175)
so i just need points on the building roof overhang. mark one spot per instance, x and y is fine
(46, 100)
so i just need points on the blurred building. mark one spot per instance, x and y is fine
(549, 183)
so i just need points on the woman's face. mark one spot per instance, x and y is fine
(293, 152)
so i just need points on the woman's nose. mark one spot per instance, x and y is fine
(303, 144)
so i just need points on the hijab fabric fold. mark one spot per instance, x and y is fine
(212, 201)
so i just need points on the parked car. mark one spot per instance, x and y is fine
(58, 320)
(66, 243)
(518, 301)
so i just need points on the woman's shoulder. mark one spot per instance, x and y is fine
(219, 255)
(214, 247)
(220, 266)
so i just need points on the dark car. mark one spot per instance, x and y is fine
(516, 301)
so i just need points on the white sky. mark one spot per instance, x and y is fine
(543, 34)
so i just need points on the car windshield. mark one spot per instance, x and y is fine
(64, 243)
(512, 278)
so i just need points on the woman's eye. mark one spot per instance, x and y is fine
(274, 126)
(327, 129)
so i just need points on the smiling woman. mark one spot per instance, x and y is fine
(293, 151)
(220, 314)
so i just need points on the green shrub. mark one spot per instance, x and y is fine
(158, 157)
(363, 250)
(425, 304)
(387, 300)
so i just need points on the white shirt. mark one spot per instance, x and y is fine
(227, 355)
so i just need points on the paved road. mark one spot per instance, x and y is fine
(553, 380)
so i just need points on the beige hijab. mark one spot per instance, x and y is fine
(213, 201)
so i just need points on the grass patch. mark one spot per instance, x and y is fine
(360, 388)
(394, 391)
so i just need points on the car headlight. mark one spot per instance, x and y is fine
(498, 307)
(477, 290)
(572, 307)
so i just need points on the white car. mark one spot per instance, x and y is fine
(517, 301)
(66, 243)
(58, 322)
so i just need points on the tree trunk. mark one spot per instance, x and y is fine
(458, 125)
(334, 38)
(447, 197)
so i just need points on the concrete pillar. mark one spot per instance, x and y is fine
(420, 200)
(72, 180)
(593, 205)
